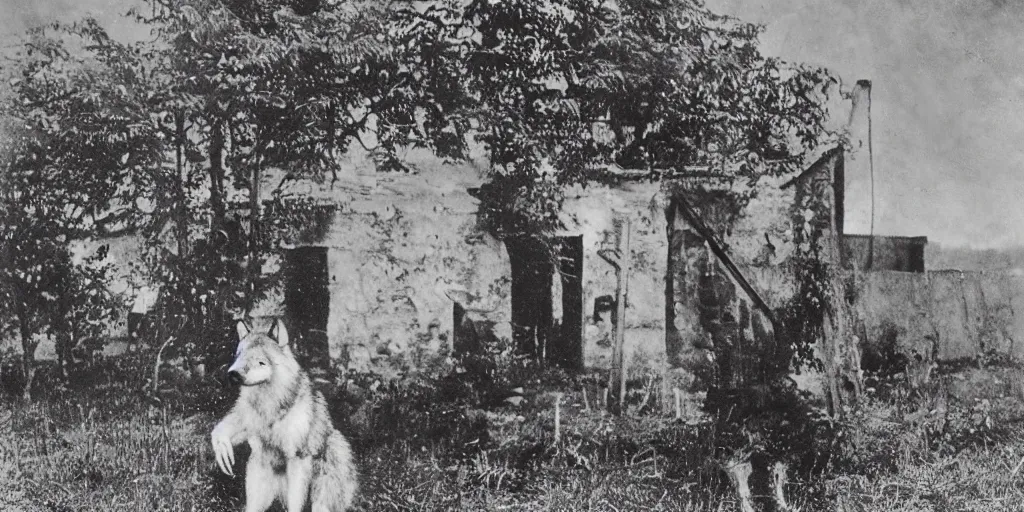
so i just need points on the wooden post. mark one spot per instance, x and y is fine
(779, 481)
(619, 258)
(678, 395)
(739, 472)
(622, 294)
(558, 417)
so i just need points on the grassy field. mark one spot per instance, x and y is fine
(424, 445)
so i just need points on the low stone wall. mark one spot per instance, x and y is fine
(948, 313)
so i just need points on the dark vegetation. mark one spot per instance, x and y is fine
(451, 442)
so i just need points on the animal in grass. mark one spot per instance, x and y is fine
(296, 453)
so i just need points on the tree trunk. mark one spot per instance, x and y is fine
(675, 269)
(841, 353)
(253, 268)
(217, 142)
(65, 341)
(181, 207)
(28, 348)
(28, 368)
(221, 237)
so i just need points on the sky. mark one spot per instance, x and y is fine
(947, 107)
(947, 101)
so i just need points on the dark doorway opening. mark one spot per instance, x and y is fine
(535, 267)
(569, 351)
(307, 303)
(532, 270)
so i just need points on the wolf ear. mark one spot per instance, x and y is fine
(242, 330)
(279, 333)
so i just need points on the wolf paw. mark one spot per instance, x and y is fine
(223, 451)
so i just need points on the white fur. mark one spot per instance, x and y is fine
(242, 330)
(295, 449)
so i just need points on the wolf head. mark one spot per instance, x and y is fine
(260, 356)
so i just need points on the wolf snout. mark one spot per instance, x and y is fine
(234, 377)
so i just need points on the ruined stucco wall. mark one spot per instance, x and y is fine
(957, 314)
(712, 311)
(400, 254)
(761, 242)
(769, 239)
(762, 260)
(402, 249)
(766, 214)
(590, 212)
(905, 254)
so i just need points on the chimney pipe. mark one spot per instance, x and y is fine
(861, 98)
(861, 140)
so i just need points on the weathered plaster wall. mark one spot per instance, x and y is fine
(762, 260)
(712, 311)
(905, 254)
(590, 212)
(767, 214)
(402, 249)
(958, 314)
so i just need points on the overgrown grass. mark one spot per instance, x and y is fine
(443, 445)
(938, 447)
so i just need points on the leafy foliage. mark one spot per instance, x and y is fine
(81, 138)
(86, 139)
(556, 91)
(176, 132)
(284, 85)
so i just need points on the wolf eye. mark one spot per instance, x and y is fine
(263, 363)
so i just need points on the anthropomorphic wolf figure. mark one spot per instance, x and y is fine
(297, 454)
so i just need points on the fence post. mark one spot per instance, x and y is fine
(619, 259)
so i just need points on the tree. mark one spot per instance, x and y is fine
(254, 87)
(559, 91)
(82, 137)
(556, 92)
(266, 85)
(225, 93)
